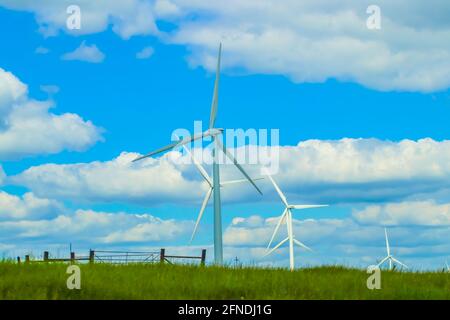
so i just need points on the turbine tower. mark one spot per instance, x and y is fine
(287, 217)
(213, 133)
(210, 184)
(389, 256)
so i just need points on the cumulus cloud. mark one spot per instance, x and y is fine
(41, 50)
(128, 18)
(340, 171)
(149, 181)
(28, 128)
(28, 207)
(312, 41)
(87, 53)
(337, 241)
(427, 213)
(334, 241)
(50, 89)
(2, 175)
(307, 41)
(145, 53)
(166, 8)
(88, 226)
(12, 91)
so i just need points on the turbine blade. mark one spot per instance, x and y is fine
(179, 143)
(202, 209)
(280, 222)
(198, 165)
(230, 156)
(387, 243)
(280, 193)
(224, 183)
(302, 245)
(276, 247)
(446, 264)
(212, 118)
(168, 147)
(308, 206)
(382, 261)
(400, 263)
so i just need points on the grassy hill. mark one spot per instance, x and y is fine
(103, 281)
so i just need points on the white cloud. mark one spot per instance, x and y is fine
(41, 50)
(337, 241)
(28, 225)
(12, 91)
(341, 171)
(149, 181)
(427, 213)
(312, 41)
(307, 41)
(28, 128)
(2, 175)
(96, 228)
(88, 53)
(128, 18)
(27, 207)
(50, 89)
(145, 53)
(166, 8)
(152, 230)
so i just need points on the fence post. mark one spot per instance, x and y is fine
(27, 258)
(203, 257)
(18, 260)
(72, 257)
(45, 255)
(162, 255)
(91, 256)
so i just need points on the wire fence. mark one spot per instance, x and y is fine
(120, 257)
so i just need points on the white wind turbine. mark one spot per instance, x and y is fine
(218, 147)
(210, 183)
(448, 267)
(287, 217)
(389, 256)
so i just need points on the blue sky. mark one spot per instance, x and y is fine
(351, 107)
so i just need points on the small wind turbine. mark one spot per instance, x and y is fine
(389, 256)
(214, 133)
(209, 181)
(448, 267)
(287, 217)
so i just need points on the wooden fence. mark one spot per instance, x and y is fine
(119, 257)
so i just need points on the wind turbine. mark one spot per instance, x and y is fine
(214, 133)
(448, 267)
(287, 217)
(210, 184)
(389, 256)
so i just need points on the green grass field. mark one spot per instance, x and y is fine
(103, 281)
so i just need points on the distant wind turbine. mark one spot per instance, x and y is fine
(390, 257)
(287, 217)
(448, 267)
(211, 132)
